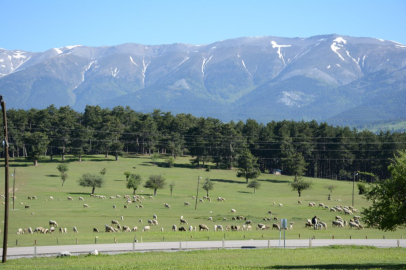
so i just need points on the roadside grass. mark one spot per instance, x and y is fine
(44, 181)
(334, 257)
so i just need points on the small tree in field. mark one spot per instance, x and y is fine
(133, 182)
(248, 166)
(171, 162)
(155, 182)
(255, 184)
(63, 168)
(91, 180)
(127, 175)
(154, 157)
(299, 184)
(171, 186)
(330, 187)
(208, 185)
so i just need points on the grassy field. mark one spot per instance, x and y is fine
(44, 181)
(334, 257)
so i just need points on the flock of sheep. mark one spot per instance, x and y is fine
(115, 226)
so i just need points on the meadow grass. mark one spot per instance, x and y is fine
(44, 181)
(333, 257)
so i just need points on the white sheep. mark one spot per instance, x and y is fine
(85, 205)
(75, 230)
(146, 228)
(233, 211)
(186, 203)
(53, 223)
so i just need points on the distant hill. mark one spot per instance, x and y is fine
(339, 79)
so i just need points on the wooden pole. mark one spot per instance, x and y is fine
(6, 207)
(197, 191)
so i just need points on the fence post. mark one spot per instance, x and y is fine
(398, 243)
(180, 245)
(223, 243)
(133, 246)
(35, 251)
(310, 242)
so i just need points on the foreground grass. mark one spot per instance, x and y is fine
(333, 257)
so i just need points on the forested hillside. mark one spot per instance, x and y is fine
(327, 151)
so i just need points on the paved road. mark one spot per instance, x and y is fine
(189, 245)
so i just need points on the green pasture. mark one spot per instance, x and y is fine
(44, 181)
(334, 257)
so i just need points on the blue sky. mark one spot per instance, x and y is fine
(43, 24)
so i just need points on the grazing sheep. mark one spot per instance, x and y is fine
(126, 229)
(190, 228)
(221, 199)
(186, 203)
(85, 206)
(140, 221)
(75, 230)
(182, 229)
(167, 205)
(45, 231)
(112, 197)
(219, 228)
(53, 223)
(70, 198)
(150, 222)
(336, 223)
(109, 229)
(26, 206)
(135, 228)
(125, 206)
(280, 205)
(275, 226)
(260, 226)
(52, 229)
(353, 224)
(233, 211)
(114, 207)
(154, 222)
(201, 200)
(224, 218)
(115, 222)
(81, 199)
(20, 231)
(248, 222)
(210, 218)
(162, 229)
(321, 204)
(324, 225)
(299, 202)
(291, 226)
(95, 230)
(146, 228)
(29, 229)
(308, 224)
(174, 228)
(183, 221)
(203, 227)
(193, 197)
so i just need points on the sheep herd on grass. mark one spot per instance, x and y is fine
(247, 226)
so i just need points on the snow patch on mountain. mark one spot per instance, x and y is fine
(180, 84)
(243, 63)
(295, 98)
(72, 46)
(114, 72)
(132, 61)
(144, 69)
(19, 55)
(337, 46)
(205, 61)
(275, 45)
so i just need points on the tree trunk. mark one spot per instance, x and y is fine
(171, 192)
(300, 193)
(93, 190)
(35, 162)
(246, 180)
(155, 192)
(207, 193)
(80, 158)
(134, 192)
(116, 157)
(63, 157)
(63, 182)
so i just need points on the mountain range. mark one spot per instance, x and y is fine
(334, 78)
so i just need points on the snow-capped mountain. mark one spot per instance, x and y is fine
(267, 78)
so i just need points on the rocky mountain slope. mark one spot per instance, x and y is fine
(339, 79)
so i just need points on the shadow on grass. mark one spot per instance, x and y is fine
(341, 266)
(119, 180)
(247, 192)
(227, 181)
(79, 193)
(275, 181)
(52, 175)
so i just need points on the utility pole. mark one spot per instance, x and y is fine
(6, 206)
(14, 186)
(197, 191)
(353, 188)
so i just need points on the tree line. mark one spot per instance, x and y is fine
(319, 149)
